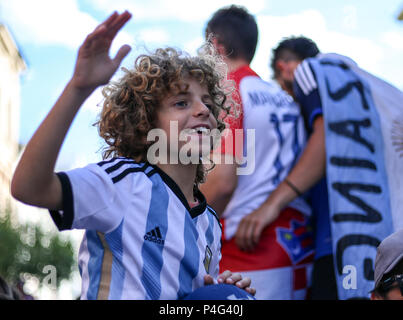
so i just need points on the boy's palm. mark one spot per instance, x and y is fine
(94, 67)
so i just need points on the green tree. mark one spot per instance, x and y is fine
(26, 249)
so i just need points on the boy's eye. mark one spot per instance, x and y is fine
(181, 103)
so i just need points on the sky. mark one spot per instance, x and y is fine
(48, 34)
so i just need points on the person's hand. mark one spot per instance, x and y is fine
(94, 67)
(236, 279)
(250, 228)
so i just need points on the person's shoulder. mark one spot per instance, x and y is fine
(116, 161)
(336, 57)
(211, 211)
(263, 92)
(305, 77)
(250, 82)
(119, 168)
(241, 73)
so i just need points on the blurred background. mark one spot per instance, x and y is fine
(38, 46)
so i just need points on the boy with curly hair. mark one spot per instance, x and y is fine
(149, 232)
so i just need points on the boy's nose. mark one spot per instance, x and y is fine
(201, 109)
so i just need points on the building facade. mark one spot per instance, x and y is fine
(11, 66)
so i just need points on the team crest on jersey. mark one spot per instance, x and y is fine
(207, 258)
(155, 236)
(297, 241)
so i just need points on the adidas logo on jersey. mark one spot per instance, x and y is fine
(154, 236)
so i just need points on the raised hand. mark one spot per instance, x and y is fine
(94, 67)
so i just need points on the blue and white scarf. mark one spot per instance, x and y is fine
(364, 171)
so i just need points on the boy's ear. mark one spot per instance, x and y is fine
(218, 47)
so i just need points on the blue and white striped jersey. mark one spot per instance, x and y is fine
(142, 239)
(305, 78)
(307, 94)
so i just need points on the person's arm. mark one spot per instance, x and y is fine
(219, 186)
(310, 168)
(34, 181)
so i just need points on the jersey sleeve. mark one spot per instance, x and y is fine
(88, 196)
(307, 94)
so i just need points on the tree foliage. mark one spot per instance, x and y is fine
(26, 249)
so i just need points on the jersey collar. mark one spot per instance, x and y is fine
(195, 211)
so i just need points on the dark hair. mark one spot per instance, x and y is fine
(236, 29)
(301, 46)
(397, 270)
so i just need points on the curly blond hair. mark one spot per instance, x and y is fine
(129, 109)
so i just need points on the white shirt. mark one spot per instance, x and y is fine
(279, 139)
(143, 241)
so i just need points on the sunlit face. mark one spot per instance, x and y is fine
(190, 112)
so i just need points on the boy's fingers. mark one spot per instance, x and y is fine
(122, 53)
(244, 283)
(223, 276)
(208, 280)
(104, 25)
(93, 36)
(234, 278)
(112, 25)
(252, 291)
(114, 28)
(110, 19)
